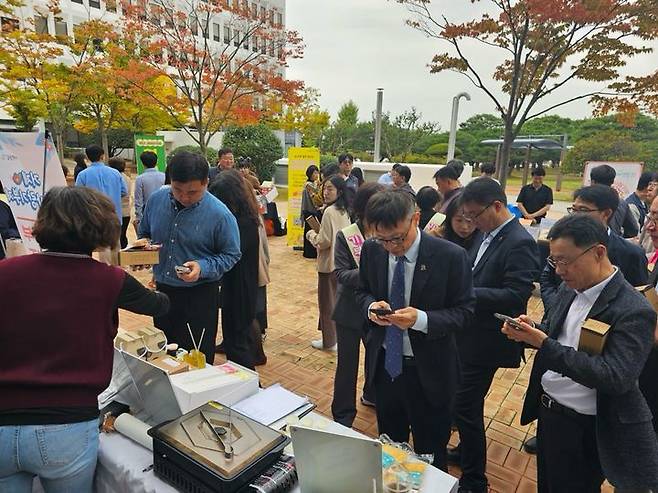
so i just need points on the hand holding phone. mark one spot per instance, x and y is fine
(381, 312)
(182, 269)
(509, 320)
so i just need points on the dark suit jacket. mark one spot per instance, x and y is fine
(623, 222)
(627, 444)
(347, 311)
(629, 257)
(442, 287)
(503, 283)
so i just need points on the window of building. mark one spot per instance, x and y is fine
(279, 19)
(215, 31)
(77, 1)
(227, 35)
(95, 4)
(61, 28)
(8, 24)
(254, 11)
(236, 39)
(254, 44)
(41, 24)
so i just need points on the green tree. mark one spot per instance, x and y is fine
(609, 145)
(211, 154)
(257, 142)
(348, 114)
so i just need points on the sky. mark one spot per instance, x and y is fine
(355, 46)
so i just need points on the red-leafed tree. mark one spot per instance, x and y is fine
(543, 47)
(226, 62)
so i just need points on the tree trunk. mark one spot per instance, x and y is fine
(104, 142)
(59, 143)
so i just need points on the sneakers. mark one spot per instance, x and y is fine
(317, 344)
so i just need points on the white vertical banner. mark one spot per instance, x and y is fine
(22, 159)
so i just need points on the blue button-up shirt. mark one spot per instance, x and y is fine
(106, 180)
(145, 184)
(205, 232)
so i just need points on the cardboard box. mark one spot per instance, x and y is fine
(228, 383)
(649, 292)
(169, 364)
(138, 256)
(593, 336)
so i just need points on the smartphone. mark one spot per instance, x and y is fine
(509, 320)
(182, 269)
(313, 223)
(381, 312)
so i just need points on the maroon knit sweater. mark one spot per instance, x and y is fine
(58, 319)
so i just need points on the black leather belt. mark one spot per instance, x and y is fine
(549, 403)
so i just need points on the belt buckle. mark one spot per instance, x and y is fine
(546, 401)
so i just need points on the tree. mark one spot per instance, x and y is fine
(25, 107)
(257, 142)
(306, 117)
(605, 146)
(406, 130)
(348, 114)
(545, 45)
(236, 83)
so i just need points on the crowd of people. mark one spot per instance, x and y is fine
(438, 310)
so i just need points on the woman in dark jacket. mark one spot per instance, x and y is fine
(427, 200)
(80, 164)
(311, 205)
(460, 230)
(350, 323)
(240, 284)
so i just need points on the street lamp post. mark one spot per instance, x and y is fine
(378, 125)
(453, 123)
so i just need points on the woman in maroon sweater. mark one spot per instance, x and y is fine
(58, 321)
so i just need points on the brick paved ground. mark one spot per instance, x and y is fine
(292, 362)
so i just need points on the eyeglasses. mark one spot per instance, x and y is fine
(475, 216)
(581, 210)
(398, 240)
(652, 218)
(565, 263)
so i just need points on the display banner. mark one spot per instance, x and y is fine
(355, 241)
(628, 174)
(299, 158)
(153, 143)
(21, 174)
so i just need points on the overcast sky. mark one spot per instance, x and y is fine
(355, 46)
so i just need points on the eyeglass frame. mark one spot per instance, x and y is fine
(562, 263)
(472, 218)
(571, 211)
(395, 241)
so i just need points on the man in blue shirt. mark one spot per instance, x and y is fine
(103, 178)
(147, 183)
(200, 242)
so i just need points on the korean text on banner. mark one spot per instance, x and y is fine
(21, 175)
(299, 158)
(152, 143)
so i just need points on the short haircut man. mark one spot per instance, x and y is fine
(94, 153)
(404, 172)
(504, 269)
(603, 197)
(401, 176)
(640, 200)
(149, 159)
(426, 281)
(592, 416)
(345, 163)
(487, 169)
(198, 232)
(623, 222)
(539, 171)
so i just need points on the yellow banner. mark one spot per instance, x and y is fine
(299, 158)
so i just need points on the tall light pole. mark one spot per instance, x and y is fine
(378, 125)
(453, 123)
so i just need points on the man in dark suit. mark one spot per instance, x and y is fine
(594, 422)
(622, 221)
(503, 271)
(426, 282)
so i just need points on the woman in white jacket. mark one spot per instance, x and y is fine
(336, 217)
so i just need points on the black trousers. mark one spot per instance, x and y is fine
(469, 417)
(197, 305)
(123, 239)
(402, 406)
(343, 406)
(567, 457)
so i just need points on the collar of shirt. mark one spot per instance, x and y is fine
(492, 234)
(177, 205)
(97, 163)
(411, 254)
(150, 170)
(593, 293)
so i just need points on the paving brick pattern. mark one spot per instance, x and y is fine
(292, 316)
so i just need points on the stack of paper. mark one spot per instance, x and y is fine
(270, 405)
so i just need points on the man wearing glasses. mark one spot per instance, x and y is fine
(503, 271)
(594, 423)
(417, 292)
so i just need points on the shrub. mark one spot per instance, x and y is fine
(257, 142)
(211, 154)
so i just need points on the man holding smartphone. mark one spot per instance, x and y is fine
(417, 293)
(593, 422)
(200, 242)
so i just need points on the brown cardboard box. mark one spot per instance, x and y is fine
(593, 335)
(138, 256)
(169, 364)
(650, 294)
